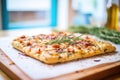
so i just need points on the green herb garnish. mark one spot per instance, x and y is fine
(100, 32)
(65, 39)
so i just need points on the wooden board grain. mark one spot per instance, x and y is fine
(11, 69)
(93, 73)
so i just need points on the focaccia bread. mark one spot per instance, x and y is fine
(61, 47)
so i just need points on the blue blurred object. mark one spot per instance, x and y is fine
(82, 19)
(19, 17)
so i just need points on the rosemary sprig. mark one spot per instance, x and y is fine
(104, 33)
(65, 39)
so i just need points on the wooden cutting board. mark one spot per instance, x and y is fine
(18, 66)
(93, 73)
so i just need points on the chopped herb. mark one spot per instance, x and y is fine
(69, 54)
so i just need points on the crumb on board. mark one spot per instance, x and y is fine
(22, 54)
(12, 63)
(76, 71)
(97, 60)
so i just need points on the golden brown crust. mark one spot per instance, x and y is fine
(51, 56)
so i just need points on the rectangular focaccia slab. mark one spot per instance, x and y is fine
(61, 47)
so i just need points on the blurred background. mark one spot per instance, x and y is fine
(34, 14)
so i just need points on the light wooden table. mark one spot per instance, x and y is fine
(3, 76)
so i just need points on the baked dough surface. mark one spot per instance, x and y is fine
(61, 47)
